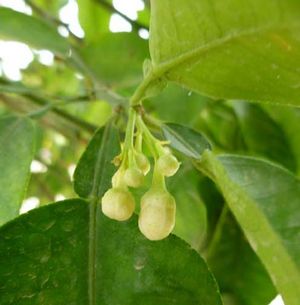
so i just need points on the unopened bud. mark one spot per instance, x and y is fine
(142, 163)
(118, 204)
(133, 177)
(157, 215)
(167, 165)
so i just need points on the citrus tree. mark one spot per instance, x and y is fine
(187, 153)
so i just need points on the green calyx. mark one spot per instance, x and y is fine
(158, 207)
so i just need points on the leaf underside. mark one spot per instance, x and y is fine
(227, 50)
(264, 199)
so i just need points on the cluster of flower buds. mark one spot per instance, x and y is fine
(158, 207)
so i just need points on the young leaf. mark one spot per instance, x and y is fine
(264, 199)
(94, 171)
(186, 140)
(129, 269)
(32, 31)
(229, 49)
(17, 141)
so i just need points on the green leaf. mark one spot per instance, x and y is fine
(93, 18)
(289, 120)
(229, 49)
(186, 140)
(190, 210)
(168, 105)
(17, 142)
(264, 199)
(94, 171)
(218, 121)
(237, 269)
(263, 136)
(45, 260)
(121, 60)
(32, 31)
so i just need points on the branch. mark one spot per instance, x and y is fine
(51, 19)
(109, 7)
(50, 120)
(100, 90)
(71, 118)
(14, 103)
(76, 62)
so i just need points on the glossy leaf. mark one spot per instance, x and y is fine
(95, 169)
(238, 270)
(264, 199)
(186, 140)
(129, 269)
(229, 50)
(17, 142)
(240, 274)
(32, 31)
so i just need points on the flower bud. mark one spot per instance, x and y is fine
(118, 180)
(142, 163)
(157, 215)
(118, 204)
(133, 177)
(167, 165)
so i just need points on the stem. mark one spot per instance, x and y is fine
(130, 130)
(75, 120)
(139, 142)
(217, 233)
(50, 119)
(51, 19)
(158, 180)
(135, 24)
(101, 91)
(139, 93)
(150, 139)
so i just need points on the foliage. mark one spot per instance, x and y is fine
(198, 136)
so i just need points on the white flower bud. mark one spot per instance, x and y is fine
(167, 165)
(157, 215)
(118, 204)
(142, 163)
(133, 177)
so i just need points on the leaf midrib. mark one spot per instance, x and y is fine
(291, 269)
(101, 158)
(182, 141)
(163, 67)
